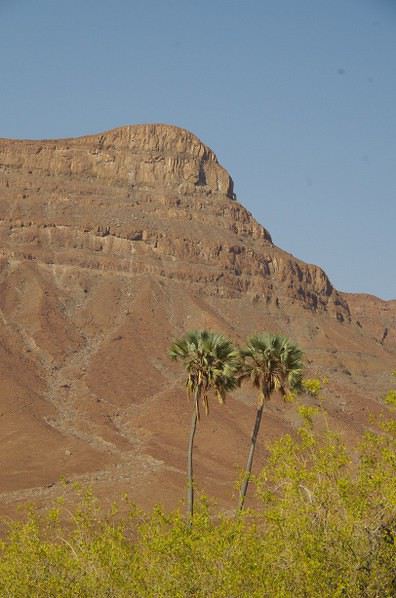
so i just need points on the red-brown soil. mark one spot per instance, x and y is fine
(111, 246)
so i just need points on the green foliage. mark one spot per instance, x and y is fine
(307, 413)
(211, 363)
(313, 386)
(325, 526)
(332, 522)
(272, 363)
(390, 398)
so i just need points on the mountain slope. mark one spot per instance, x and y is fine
(112, 245)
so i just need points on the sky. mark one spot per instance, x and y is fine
(296, 97)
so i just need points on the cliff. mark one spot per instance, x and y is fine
(113, 244)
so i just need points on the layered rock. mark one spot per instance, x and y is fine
(113, 244)
(155, 198)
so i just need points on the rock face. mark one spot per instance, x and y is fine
(113, 244)
(147, 199)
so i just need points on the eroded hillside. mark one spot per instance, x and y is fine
(113, 244)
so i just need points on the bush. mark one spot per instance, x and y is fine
(326, 526)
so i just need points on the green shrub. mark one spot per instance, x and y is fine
(325, 527)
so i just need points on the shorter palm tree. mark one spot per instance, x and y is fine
(211, 363)
(271, 363)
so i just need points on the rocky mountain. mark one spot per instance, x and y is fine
(112, 245)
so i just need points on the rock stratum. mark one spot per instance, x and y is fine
(112, 245)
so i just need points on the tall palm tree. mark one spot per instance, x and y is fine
(211, 363)
(271, 363)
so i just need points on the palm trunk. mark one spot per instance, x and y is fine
(190, 481)
(249, 464)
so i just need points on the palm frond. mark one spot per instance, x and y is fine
(211, 362)
(272, 363)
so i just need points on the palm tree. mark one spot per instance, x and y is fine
(272, 363)
(211, 363)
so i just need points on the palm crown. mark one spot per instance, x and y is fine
(272, 363)
(211, 362)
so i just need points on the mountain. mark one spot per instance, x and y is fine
(111, 246)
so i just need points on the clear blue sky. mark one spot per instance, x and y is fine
(296, 97)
